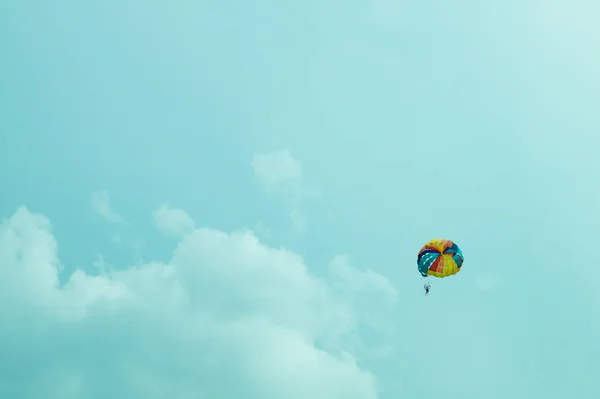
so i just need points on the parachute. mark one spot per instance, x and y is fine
(439, 258)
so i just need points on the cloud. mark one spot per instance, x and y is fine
(226, 317)
(355, 281)
(260, 229)
(387, 13)
(487, 282)
(124, 233)
(172, 220)
(280, 174)
(298, 221)
(373, 297)
(276, 168)
(101, 205)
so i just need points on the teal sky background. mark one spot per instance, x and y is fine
(347, 133)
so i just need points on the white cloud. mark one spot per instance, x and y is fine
(298, 221)
(355, 281)
(172, 220)
(487, 282)
(260, 229)
(277, 167)
(227, 317)
(371, 295)
(388, 13)
(101, 205)
(281, 174)
(124, 233)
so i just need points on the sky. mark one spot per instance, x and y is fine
(225, 199)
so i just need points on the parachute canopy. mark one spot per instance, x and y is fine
(439, 258)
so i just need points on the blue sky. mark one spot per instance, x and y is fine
(225, 199)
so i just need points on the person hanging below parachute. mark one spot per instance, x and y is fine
(439, 258)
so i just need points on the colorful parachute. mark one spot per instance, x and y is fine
(439, 258)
